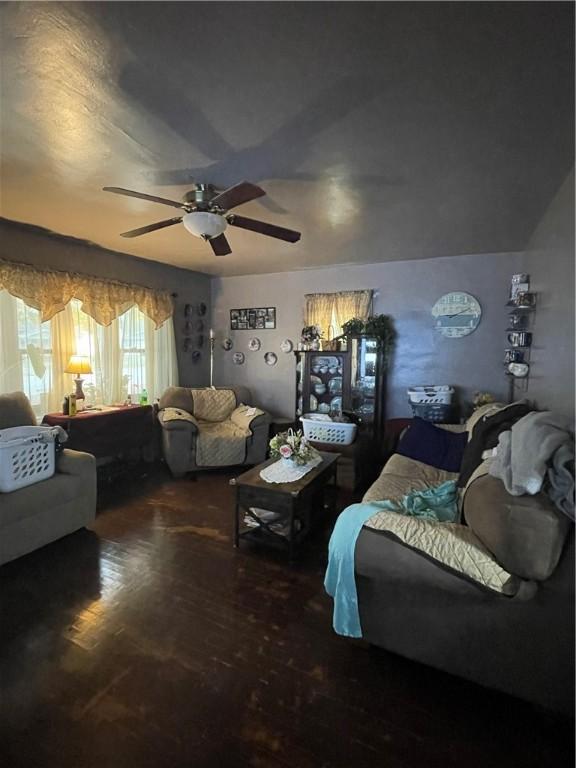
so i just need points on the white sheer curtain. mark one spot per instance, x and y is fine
(127, 356)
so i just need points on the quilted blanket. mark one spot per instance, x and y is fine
(451, 545)
(220, 444)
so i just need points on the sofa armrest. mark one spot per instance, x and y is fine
(249, 417)
(77, 463)
(177, 420)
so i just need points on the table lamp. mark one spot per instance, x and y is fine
(79, 364)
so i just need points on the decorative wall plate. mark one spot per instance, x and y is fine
(254, 345)
(270, 358)
(286, 346)
(238, 358)
(227, 344)
(456, 314)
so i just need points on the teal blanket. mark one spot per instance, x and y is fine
(438, 503)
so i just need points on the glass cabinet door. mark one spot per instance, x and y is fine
(326, 376)
(321, 379)
(364, 357)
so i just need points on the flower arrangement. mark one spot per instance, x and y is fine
(482, 398)
(291, 445)
(311, 333)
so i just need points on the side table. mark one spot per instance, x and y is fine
(109, 432)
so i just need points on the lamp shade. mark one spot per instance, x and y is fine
(204, 224)
(78, 364)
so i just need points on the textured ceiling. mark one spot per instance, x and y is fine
(382, 131)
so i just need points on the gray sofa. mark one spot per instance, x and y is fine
(411, 605)
(41, 513)
(181, 426)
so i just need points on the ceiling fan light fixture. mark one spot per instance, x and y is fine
(204, 224)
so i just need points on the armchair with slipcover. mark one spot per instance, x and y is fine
(209, 427)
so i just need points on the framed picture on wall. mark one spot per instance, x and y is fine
(262, 318)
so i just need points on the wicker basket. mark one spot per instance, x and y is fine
(27, 455)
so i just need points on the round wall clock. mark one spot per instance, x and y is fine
(456, 314)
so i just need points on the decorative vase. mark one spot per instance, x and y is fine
(315, 345)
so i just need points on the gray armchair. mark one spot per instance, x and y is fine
(208, 428)
(41, 513)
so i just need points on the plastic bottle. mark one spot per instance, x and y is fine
(144, 397)
(72, 404)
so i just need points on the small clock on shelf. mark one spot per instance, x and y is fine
(456, 314)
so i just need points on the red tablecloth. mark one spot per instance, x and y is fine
(109, 432)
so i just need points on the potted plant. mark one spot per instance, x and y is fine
(353, 327)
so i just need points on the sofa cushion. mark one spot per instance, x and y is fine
(213, 404)
(16, 411)
(28, 501)
(433, 446)
(402, 475)
(177, 397)
(526, 534)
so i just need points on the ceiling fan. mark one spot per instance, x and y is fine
(206, 214)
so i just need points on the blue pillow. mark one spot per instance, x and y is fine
(433, 446)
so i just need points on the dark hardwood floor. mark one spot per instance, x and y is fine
(150, 643)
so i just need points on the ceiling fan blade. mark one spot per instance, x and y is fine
(152, 227)
(263, 228)
(142, 196)
(220, 245)
(238, 194)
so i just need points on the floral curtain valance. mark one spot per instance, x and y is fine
(104, 300)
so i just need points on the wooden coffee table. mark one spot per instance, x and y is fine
(296, 503)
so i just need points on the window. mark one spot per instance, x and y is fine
(329, 311)
(126, 357)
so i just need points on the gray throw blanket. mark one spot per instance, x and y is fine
(524, 451)
(560, 479)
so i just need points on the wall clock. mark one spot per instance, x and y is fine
(456, 314)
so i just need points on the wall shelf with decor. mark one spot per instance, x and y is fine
(522, 306)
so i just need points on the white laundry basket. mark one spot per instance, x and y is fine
(432, 403)
(27, 455)
(327, 431)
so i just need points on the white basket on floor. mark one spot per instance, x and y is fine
(327, 431)
(441, 394)
(27, 456)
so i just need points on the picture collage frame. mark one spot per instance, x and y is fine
(254, 318)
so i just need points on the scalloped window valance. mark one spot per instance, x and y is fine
(104, 300)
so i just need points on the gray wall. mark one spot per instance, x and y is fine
(549, 260)
(32, 245)
(406, 291)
